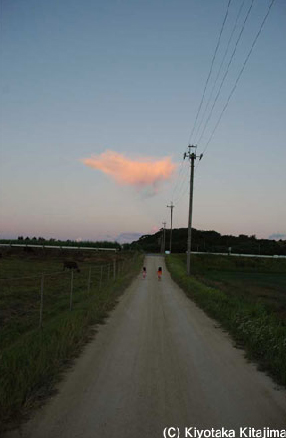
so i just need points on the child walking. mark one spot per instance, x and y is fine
(144, 272)
(159, 273)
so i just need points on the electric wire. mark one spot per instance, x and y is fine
(178, 178)
(227, 71)
(182, 185)
(220, 67)
(211, 68)
(183, 180)
(239, 75)
(51, 274)
(181, 193)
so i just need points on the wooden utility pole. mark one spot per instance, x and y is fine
(191, 156)
(171, 207)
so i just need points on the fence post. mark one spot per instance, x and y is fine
(88, 282)
(71, 289)
(101, 274)
(42, 302)
(114, 269)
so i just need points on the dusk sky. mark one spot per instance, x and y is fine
(98, 103)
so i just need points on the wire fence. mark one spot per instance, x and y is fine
(28, 301)
(44, 246)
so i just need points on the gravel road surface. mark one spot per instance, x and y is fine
(158, 361)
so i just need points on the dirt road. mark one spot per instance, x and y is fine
(158, 362)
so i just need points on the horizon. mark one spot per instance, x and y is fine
(127, 237)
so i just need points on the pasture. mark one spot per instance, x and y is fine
(20, 285)
(40, 336)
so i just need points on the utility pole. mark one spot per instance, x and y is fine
(163, 238)
(171, 207)
(191, 156)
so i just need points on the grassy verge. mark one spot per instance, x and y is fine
(250, 321)
(32, 363)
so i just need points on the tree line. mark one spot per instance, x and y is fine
(209, 241)
(56, 242)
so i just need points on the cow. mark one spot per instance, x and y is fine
(71, 265)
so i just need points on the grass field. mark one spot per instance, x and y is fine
(247, 296)
(32, 357)
(259, 280)
(20, 285)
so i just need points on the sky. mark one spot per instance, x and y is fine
(100, 99)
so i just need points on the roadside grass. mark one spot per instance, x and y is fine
(32, 359)
(222, 289)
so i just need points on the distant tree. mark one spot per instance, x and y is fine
(126, 246)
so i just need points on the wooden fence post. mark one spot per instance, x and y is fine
(71, 289)
(101, 274)
(88, 281)
(42, 302)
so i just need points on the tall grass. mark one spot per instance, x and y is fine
(250, 323)
(31, 365)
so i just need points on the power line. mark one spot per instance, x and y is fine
(221, 64)
(227, 70)
(202, 99)
(211, 67)
(232, 90)
(240, 74)
(183, 181)
(178, 178)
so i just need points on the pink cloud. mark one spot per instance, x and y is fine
(139, 173)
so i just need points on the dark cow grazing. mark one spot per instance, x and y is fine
(71, 265)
